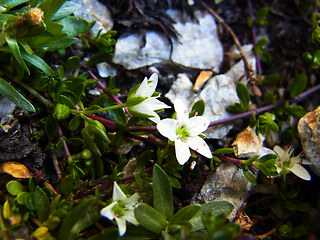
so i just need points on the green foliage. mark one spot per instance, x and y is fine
(259, 49)
(8, 91)
(260, 19)
(265, 123)
(197, 109)
(244, 97)
(298, 85)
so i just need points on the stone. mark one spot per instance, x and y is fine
(198, 45)
(309, 133)
(130, 53)
(6, 107)
(228, 183)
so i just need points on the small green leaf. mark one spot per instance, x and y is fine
(142, 160)
(298, 86)
(66, 185)
(66, 9)
(15, 50)
(223, 151)
(213, 207)
(150, 218)
(8, 4)
(50, 7)
(78, 219)
(14, 187)
(271, 79)
(41, 203)
(162, 192)
(249, 176)
(14, 96)
(185, 214)
(73, 63)
(244, 95)
(198, 108)
(73, 26)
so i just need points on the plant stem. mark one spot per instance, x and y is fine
(105, 109)
(37, 95)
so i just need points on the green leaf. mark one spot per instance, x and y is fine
(142, 160)
(53, 27)
(213, 207)
(8, 4)
(37, 62)
(50, 7)
(78, 219)
(73, 63)
(271, 79)
(73, 26)
(249, 176)
(67, 9)
(15, 50)
(150, 218)
(244, 95)
(14, 187)
(260, 17)
(298, 85)
(223, 151)
(75, 122)
(198, 108)
(185, 214)
(14, 96)
(162, 192)
(41, 203)
(66, 185)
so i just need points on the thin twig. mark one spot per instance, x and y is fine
(248, 69)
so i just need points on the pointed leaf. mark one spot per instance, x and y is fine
(14, 96)
(78, 219)
(150, 218)
(298, 86)
(15, 50)
(41, 203)
(162, 193)
(38, 62)
(244, 95)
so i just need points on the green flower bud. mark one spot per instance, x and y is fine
(61, 111)
(86, 153)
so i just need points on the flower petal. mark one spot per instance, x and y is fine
(182, 152)
(129, 216)
(122, 226)
(301, 172)
(282, 154)
(107, 211)
(199, 145)
(148, 86)
(132, 200)
(197, 125)
(154, 104)
(117, 193)
(142, 109)
(181, 110)
(168, 127)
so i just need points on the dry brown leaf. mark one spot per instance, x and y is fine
(201, 79)
(15, 169)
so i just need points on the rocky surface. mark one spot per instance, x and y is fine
(309, 133)
(228, 183)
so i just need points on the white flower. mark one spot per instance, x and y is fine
(184, 132)
(121, 209)
(292, 164)
(150, 104)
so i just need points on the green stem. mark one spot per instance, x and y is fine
(45, 101)
(105, 109)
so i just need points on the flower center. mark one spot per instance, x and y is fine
(119, 210)
(182, 133)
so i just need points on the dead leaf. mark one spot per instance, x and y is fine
(201, 79)
(15, 169)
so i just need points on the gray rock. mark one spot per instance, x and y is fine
(199, 46)
(130, 53)
(6, 106)
(309, 133)
(228, 183)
